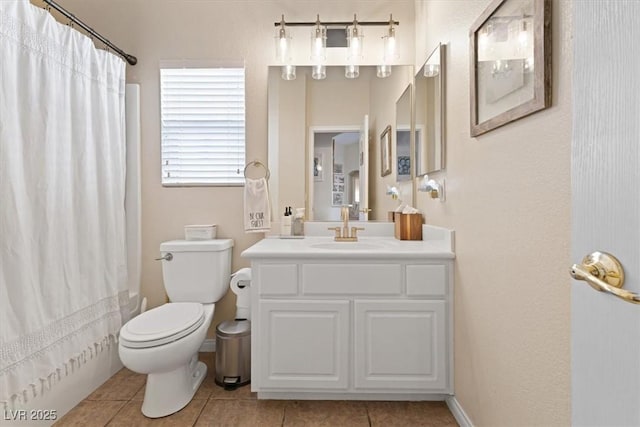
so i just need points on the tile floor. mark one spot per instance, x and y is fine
(117, 403)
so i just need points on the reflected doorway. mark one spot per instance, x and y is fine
(336, 171)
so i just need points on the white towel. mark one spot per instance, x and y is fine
(257, 211)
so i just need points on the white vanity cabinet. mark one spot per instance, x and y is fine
(352, 328)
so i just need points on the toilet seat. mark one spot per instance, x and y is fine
(162, 325)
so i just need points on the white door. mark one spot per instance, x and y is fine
(364, 170)
(606, 210)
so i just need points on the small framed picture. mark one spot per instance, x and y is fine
(337, 198)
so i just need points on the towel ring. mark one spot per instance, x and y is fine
(257, 163)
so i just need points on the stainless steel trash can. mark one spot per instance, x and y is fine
(233, 353)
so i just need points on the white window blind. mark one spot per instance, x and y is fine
(203, 126)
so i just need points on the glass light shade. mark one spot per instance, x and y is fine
(351, 71)
(319, 44)
(390, 47)
(318, 72)
(383, 71)
(288, 72)
(354, 43)
(283, 45)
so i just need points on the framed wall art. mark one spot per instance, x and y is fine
(510, 53)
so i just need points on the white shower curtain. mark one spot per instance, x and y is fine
(63, 288)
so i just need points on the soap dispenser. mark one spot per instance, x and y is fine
(285, 226)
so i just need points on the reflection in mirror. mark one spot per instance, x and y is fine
(334, 183)
(403, 136)
(429, 108)
(312, 128)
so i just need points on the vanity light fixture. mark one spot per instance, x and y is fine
(355, 36)
(283, 43)
(390, 51)
(319, 50)
(284, 51)
(319, 42)
(354, 42)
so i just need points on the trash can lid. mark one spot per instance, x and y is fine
(234, 328)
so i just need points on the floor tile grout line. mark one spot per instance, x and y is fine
(116, 414)
(201, 411)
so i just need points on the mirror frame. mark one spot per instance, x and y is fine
(406, 97)
(386, 152)
(440, 50)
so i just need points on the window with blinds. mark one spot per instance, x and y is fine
(203, 126)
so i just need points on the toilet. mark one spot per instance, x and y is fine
(164, 342)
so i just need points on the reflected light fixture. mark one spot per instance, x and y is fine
(288, 72)
(318, 72)
(351, 71)
(383, 71)
(523, 35)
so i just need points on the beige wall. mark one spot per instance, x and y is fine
(508, 199)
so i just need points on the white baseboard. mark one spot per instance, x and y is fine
(208, 346)
(458, 413)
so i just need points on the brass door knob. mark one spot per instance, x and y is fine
(604, 273)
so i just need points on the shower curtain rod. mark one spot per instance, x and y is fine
(132, 60)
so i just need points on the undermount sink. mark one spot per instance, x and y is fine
(350, 246)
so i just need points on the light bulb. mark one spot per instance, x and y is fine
(354, 41)
(283, 43)
(318, 42)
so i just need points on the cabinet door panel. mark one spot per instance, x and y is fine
(400, 345)
(305, 344)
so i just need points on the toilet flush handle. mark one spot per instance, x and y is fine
(168, 257)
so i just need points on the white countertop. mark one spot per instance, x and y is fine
(439, 245)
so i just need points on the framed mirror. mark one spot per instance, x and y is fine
(429, 113)
(403, 136)
(313, 133)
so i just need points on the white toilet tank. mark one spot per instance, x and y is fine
(199, 270)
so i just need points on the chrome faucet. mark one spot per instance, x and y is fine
(342, 234)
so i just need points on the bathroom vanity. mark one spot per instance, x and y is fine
(352, 320)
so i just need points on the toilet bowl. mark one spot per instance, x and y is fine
(164, 344)
(164, 341)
